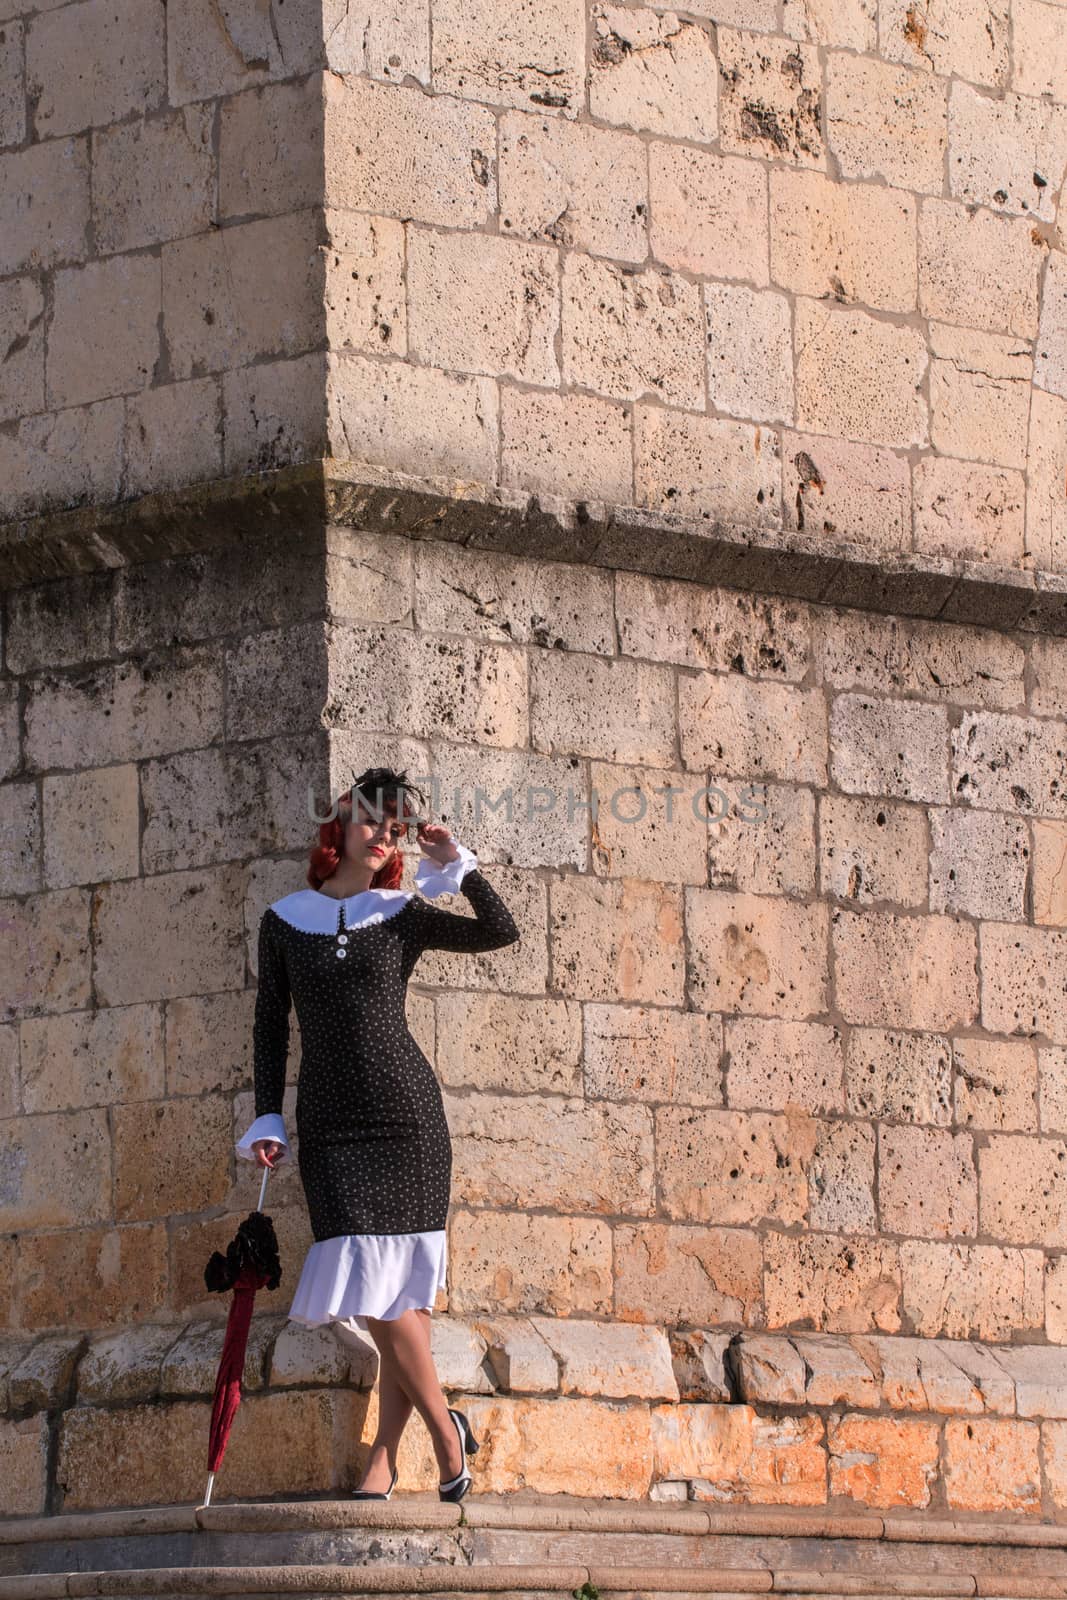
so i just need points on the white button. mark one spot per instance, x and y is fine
(342, 952)
(342, 938)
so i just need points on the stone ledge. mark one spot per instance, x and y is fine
(302, 500)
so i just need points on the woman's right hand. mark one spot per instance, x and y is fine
(267, 1152)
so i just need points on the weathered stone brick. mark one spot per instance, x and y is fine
(617, 940)
(173, 436)
(1050, 352)
(209, 1042)
(517, 1046)
(841, 1178)
(628, 334)
(275, 413)
(991, 1464)
(757, 954)
(493, 309)
(1014, 1001)
(906, 972)
(522, 1263)
(709, 212)
(12, 84)
(430, 158)
(1007, 152)
(1039, 50)
(572, 444)
(511, 58)
(154, 179)
(24, 1447)
(978, 864)
(172, 934)
(92, 1058)
(673, 1274)
(706, 466)
(1023, 1184)
(750, 361)
(104, 334)
(761, 837)
(366, 302)
(271, 143)
(44, 205)
(47, 954)
(914, 657)
(574, 185)
(770, 98)
(720, 629)
(780, 1066)
(22, 325)
(909, 1204)
(949, 37)
(20, 827)
(1049, 888)
(857, 491)
(654, 71)
(214, 52)
(890, 747)
(61, 459)
(617, 710)
(899, 1075)
(858, 376)
(94, 62)
(855, 242)
(996, 1084)
(871, 850)
(979, 269)
(645, 825)
(770, 1369)
(395, 414)
(733, 1166)
(1008, 763)
(963, 509)
(1046, 505)
(737, 1455)
(93, 1277)
(885, 121)
(620, 1361)
(746, 728)
(59, 1169)
(1054, 1454)
(853, 24)
(883, 1461)
(823, 1282)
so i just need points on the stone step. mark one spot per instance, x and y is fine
(793, 1550)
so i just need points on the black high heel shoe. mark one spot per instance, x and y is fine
(457, 1487)
(374, 1494)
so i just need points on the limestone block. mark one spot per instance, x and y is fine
(12, 84)
(302, 1357)
(366, 304)
(1050, 352)
(1054, 1453)
(520, 1046)
(509, 1262)
(835, 1372)
(857, 491)
(520, 1359)
(750, 361)
(19, 833)
(43, 1380)
(747, 728)
(770, 1370)
(619, 1360)
(271, 143)
(855, 242)
(390, 42)
(617, 940)
(841, 1178)
(1023, 1182)
(706, 467)
(92, 1277)
(170, 1156)
(573, 444)
(575, 185)
(996, 1084)
(190, 1367)
(695, 625)
(46, 959)
(980, 269)
(733, 1166)
(396, 414)
(239, 293)
(950, 38)
(756, 954)
(709, 212)
(493, 309)
(959, 1291)
(155, 1454)
(90, 828)
(655, 71)
(778, 1066)
(898, 1075)
(429, 158)
(852, 24)
(617, 710)
(672, 1274)
(216, 50)
(908, 1204)
(9, 1095)
(173, 436)
(104, 333)
(699, 1367)
(24, 1447)
(512, 57)
(858, 376)
(94, 63)
(154, 179)
(872, 850)
(59, 460)
(1008, 152)
(22, 324)
(44, 205)
(900, 971)
(883, 1461)
(1040, 1380)
(894, 748)
(1046, 506)
(1039, 50)
(1008, 763)
(885, 121)
(125, 1365)
(631, 334)
(579, 1155)
(978, 863)
(1052, 1064)
(738, 1455)
(636, 1052)
(1050, 908)
(770, 98)
(918, 1375)
(963, 509)
(921, 658)
(761, 838)
(87, 1058)
(832, 1284)
(14, 1348)
(991, 1464)
(172, 934)
(275, 414)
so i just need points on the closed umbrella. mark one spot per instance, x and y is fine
(251, 1263)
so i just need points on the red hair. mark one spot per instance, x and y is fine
(325, 858)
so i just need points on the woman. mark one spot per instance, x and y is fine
(375, 1156)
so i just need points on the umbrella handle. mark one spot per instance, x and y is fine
(263, 1188)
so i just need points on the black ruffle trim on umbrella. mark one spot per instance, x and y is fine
(254, 1245)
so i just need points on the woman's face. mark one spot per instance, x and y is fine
(371, 840)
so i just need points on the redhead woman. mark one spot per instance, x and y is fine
(374, 1152)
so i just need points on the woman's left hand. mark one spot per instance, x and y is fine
(437, 842)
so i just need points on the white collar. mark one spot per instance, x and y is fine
(314, 912)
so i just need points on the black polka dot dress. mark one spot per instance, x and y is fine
(374, 1152)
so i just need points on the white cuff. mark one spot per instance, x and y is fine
(434, 880)
(271, 1126)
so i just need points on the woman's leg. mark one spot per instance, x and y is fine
(394, 1409)
(407, 1365)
